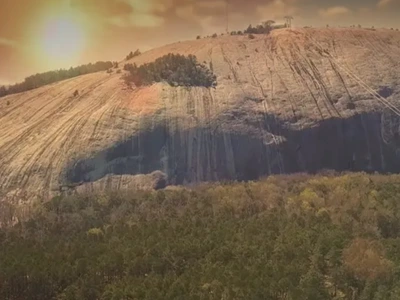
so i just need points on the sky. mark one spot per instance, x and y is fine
(42, 35)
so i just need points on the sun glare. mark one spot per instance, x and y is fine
(63, 39)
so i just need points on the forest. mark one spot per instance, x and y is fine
(42, 79)
(174, 69)
(285, 237)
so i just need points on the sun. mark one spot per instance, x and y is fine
(62, 39)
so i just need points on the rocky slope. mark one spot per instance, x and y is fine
(296, 100)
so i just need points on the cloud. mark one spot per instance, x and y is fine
(384, 3)
(136, 20)
(153, 13)
(276, 9)
(106, 8)
(210, 15)
(7, 42)
(124, 13)
(334, 11)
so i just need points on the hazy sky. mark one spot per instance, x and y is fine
(109, 29)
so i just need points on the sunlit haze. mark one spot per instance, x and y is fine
(40, 35)
(62, 38)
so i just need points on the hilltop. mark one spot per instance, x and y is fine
(294, 100)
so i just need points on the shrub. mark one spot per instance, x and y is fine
(119, 71)
(351, 105)
(198, 37)
(251, 36)
(175, 69)
(109, 71)
(8, 103)
(76, 93)
(214, 35)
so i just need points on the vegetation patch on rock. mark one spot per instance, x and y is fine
(175, 69)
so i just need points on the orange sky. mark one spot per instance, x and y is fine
(114, 27)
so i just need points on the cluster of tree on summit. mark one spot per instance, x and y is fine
(41, 79)
(263, 28)
(175, 69)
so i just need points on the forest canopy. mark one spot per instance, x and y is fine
(289, 237)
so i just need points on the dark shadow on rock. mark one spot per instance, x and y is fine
(364, 142)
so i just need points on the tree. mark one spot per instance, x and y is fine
(249, 29)
(137, 53)
(312, 286)
(133, 54)
(129, 56)
(268, 25)
(3, 91)
(366, 260)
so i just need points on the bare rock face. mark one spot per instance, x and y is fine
(144, 182)
(294, 101)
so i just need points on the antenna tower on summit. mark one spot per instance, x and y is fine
(288, 19)
(227, 16)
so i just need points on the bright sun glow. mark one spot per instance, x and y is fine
(63, 39)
